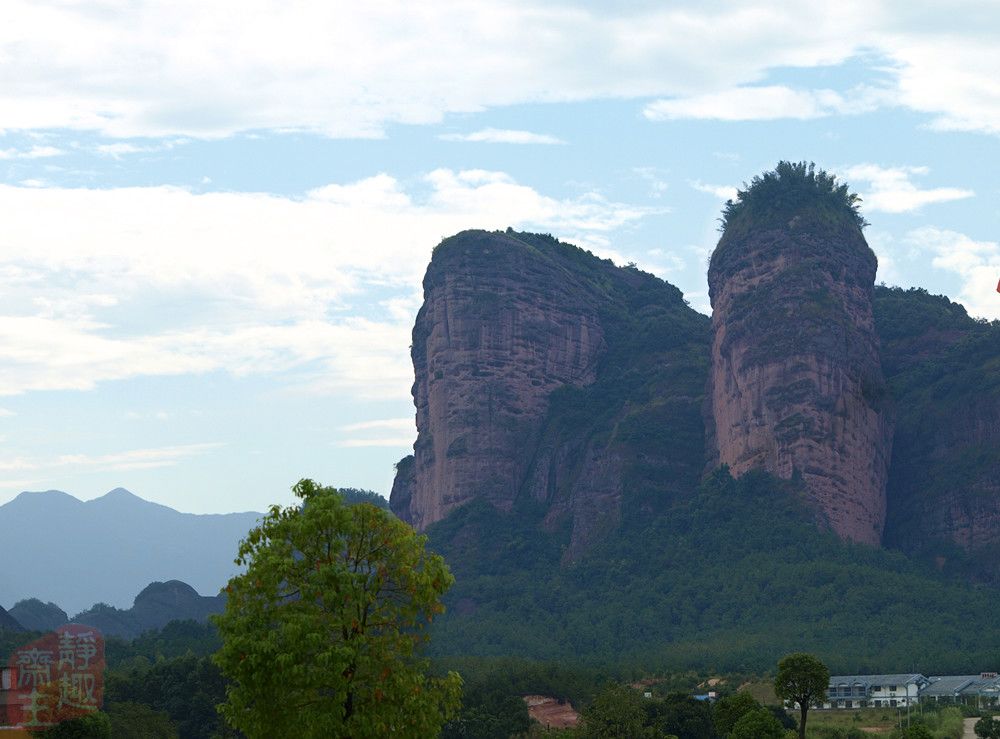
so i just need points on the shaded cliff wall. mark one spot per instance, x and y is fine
(546, 375)
(796, 386)
(943, 368)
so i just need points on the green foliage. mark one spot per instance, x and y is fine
(617, 712)
(137, 721)
(488, 712)
(730, 709)
(943, 372)
(187, 689)
(917, 732)
(566, 680)
(802, 678)
(791, 188)
(723, 580)
(320, 634)
(354, 495)
(92, 726)
(987, 728)
(681, 715)
(758, 724)
(176, 639)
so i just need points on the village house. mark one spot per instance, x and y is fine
(863, 691)
(902, 690)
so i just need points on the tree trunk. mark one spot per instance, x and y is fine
(803, 709)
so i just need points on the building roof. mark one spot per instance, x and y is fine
(949, 684)
(877, 679)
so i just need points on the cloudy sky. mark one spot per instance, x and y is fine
(216, 215)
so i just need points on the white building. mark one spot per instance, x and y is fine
(863, 691)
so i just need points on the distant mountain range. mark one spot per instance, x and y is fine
(158, 604)
(74, 553)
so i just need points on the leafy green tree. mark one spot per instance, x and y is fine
(758, 724)
(803, 679)
(731, 709)
(918, 732)
(616, 712)
(321, 634)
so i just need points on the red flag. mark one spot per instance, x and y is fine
(998, 286)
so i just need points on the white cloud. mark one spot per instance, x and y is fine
(722, 192)
(265, 284)
(35, 152)
(748, 104)
(393, 424)
(976, 263)
(889, 189)
(952, 75)
(387, 432)
(211, 69)
(502, 136)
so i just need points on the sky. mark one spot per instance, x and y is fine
(216, 216)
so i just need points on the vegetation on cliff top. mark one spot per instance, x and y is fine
(792, 187)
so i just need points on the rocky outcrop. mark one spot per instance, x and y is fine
(501, 327)
(524, 354)
(796, 386)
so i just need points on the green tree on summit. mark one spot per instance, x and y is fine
(320, 635)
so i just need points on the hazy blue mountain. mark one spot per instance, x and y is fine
(158, 604)
(75, 553)
(34, 615)
(8, 622)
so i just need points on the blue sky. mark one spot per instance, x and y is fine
(217, 215)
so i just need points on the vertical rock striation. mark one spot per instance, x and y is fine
(501, 327)
(796, 386)
(549, 377)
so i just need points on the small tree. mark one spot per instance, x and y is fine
(320, 633)
(802, 679)
(758, 724)
(616, 712)
(987, 728)
(731, 709)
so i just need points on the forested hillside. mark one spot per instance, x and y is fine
(728, 580)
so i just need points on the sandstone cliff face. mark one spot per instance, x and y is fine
(545, 374)
(499, 330)
(796, 386)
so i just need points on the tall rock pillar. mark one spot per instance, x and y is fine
(796, 386)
